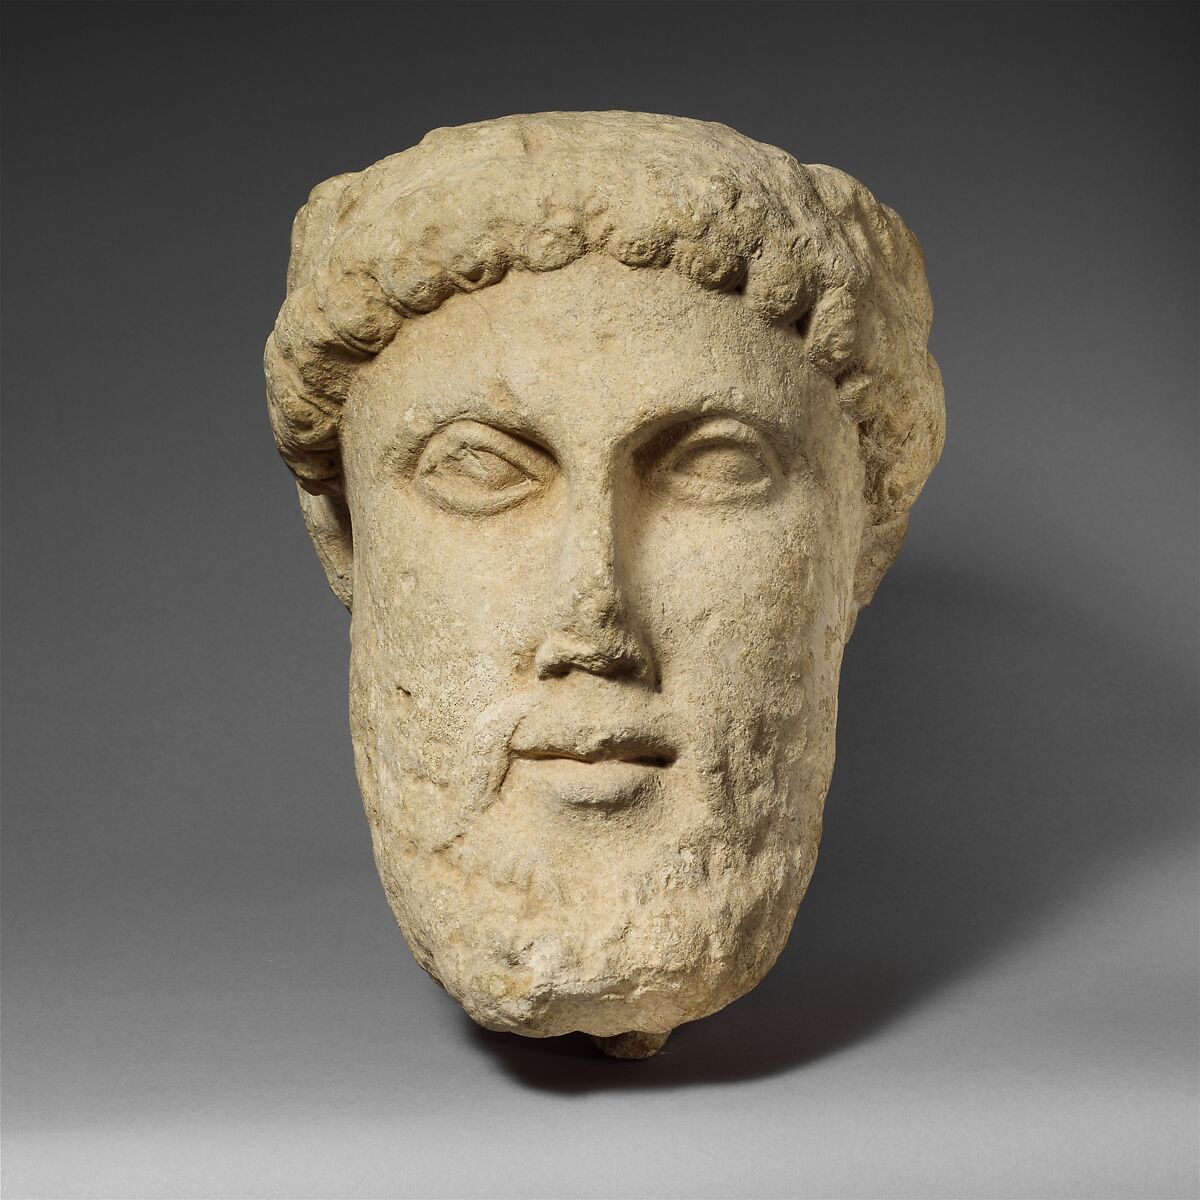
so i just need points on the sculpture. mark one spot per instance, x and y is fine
(605, 426)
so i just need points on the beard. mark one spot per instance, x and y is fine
(548, 918)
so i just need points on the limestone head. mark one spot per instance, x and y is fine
(605, 426)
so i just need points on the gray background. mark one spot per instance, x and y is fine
(991, 990)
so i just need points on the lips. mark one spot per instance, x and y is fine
(590, 746)
(577, 763)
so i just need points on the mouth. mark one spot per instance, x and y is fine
(643, 753)
(592, 770)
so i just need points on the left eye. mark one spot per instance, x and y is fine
(475, 470)
(718, 461)
(721, 463)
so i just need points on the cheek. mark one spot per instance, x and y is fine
(742, 595)
(456, 601)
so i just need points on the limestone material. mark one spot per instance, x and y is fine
(605, 426)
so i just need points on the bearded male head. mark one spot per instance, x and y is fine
(605, 426)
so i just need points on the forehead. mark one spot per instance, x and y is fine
(586, 349)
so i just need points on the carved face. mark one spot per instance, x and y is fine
(605, 529)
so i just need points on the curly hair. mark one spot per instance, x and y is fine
(805, 245)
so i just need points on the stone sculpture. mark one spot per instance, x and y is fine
(605, 427)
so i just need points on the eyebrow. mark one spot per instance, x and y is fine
(498, 403)
(714, 403)
(475, 404)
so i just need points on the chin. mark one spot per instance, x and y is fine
(642, 941)
(636, 993)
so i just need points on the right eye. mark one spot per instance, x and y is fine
(475, 469)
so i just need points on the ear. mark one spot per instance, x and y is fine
(328, 521)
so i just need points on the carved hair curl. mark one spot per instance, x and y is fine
(802, 244)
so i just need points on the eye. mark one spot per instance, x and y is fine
(476, 469)
(719, 461)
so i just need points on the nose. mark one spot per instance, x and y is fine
(594, 631)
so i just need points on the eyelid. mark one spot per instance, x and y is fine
(458, 435)
(456, 491)
(724, 429)
(691, 436)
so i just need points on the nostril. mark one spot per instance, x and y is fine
(653, 760)
(610, 653)
(551, 669)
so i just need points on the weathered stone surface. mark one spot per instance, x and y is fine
(606, 425)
